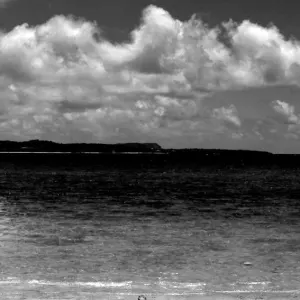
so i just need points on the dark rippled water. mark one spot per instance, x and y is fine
(77, 227)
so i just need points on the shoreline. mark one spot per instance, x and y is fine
(56, 152)
(95, 290)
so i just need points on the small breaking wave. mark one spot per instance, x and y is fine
(13, 280)
(161, 286)
(125, 285)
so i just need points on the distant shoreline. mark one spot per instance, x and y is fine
(45, 147)
(48, 147)
(49, 152)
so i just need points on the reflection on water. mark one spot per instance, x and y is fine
(160, 229)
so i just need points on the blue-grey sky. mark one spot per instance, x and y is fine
(221, 74)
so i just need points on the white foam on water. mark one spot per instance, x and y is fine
(10, 281)
(61, 283)
(251, 282)
(190, 285)
(78, 283)
(259, 291)
(200, 286)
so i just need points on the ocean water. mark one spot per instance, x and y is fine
(115, 227)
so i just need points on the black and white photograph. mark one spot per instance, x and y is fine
(149, 150)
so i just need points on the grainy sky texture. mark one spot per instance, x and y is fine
(192, 73)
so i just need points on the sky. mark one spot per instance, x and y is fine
(184, 74)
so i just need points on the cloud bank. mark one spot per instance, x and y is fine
(63, 81)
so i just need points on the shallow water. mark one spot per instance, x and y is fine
(81, 228)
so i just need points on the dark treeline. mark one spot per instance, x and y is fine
(48, 146)
(171, 156)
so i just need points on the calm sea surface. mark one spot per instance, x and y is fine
(85, 226)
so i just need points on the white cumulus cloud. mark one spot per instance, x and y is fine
(287, 111)
(62, 80)
(229, 115)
